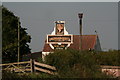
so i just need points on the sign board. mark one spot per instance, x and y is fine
(62, 46)
(63, 39)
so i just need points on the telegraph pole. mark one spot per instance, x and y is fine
(18, 40)
(80, 15)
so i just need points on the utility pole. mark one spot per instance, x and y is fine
(18, 40)
(80, 15)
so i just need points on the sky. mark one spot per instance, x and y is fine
(59, 1)
(38, 18)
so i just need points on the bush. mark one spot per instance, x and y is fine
(109, 58)
(75, 64)
(9, 75)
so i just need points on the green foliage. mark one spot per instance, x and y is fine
(10, 37)
(108, 58)
(40, 60)
(9, 75)
(75, 64)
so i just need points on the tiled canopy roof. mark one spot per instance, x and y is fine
(88, 42)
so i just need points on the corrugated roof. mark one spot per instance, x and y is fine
(88, 41)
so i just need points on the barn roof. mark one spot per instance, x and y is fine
(88, 42)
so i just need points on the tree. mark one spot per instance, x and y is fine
(10, 37)
(74, 64)
(110, 57)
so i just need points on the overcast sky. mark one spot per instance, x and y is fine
(60, 0)
(38, 18)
